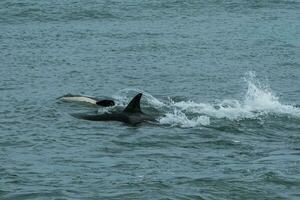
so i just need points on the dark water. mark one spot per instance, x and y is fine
(222, 76)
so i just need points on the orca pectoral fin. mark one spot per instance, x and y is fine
(105, 103)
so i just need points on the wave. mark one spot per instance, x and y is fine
(124, 96)
(179, 118)
(54, 12)
(258, 101)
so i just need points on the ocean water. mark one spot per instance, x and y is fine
(221, 77)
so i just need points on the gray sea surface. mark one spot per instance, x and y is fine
(221, 77)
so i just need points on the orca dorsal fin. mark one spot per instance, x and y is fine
(134, 104)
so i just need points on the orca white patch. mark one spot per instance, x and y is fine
(79, 99)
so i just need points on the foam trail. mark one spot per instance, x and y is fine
(178, 118)
(258, 100)
(230, 109)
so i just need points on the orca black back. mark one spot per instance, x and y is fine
(132, 114)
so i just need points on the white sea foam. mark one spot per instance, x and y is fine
(258, 101)
(178, 118)
(261, 99)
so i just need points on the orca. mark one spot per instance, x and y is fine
(132, 114)
(88, 99)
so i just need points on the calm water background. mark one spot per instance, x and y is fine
(223, 77)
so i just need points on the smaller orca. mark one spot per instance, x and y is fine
(132, 114)
(88, 99)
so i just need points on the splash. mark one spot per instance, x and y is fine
(172, 115)
(178, 118)
(259, 98)
(258, 101)
(124, 96)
